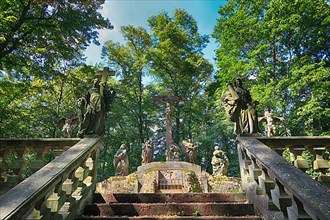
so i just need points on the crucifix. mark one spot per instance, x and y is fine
(169, 99)
(104, 76)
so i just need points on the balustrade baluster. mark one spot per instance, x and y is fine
(254, 170)
(297, 211)
(39, 210)
(69, 186)
(89, 168)
(292, 154)
(267, 184)
(246, 161)
(321, 166)
(280, 198)
(56, 200)
(301, 163)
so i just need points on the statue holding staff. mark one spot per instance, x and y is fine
(93, 108)
(240, 107)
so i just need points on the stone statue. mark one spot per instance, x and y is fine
(219, 162)
(240, 108)
(203, 164)
(92, 109)
(68, 125)
(120, 161)
(173, 154)
(190, 151)
(147, 152)
(269, 118)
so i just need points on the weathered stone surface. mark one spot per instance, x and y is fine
(169, 177)
(179, 209)
(169, 166)
(294, 193)
(225, 184)
(247, 217)
(31, 194)
(157, 177)
(119, 184)
(120, 161)
(240, 108)
(169, 197)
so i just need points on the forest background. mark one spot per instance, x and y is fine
(280, 48)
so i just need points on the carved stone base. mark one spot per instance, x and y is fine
(168, 177)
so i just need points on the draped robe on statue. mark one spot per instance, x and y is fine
(240, 108)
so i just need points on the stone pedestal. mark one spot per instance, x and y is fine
(167, 177)
(158, 177)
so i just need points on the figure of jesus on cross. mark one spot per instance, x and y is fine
(169, 99)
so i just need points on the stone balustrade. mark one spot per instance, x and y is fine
(60, 189)
(276, 187)
(19, 158)
(317, 148)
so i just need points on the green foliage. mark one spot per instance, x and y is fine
(33, 108)
(283, 48)
(131, 110)
(28, 158)
(171, 54)
(35, 35)
(177, 61)
(309, 157)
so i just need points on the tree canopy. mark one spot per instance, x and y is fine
(35, 35)
(282, 49)
(171, 55)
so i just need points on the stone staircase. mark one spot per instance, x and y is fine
(169, 206)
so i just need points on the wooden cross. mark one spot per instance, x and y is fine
(104, 76)
(169, 99)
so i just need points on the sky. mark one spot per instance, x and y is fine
(136, 12)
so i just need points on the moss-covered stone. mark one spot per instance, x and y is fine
(221, 184)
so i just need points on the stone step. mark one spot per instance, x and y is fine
(168, 198)
(167, 209)
(171, 217)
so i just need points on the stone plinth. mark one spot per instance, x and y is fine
(159, 177)
(119, 184)
(170, 165)
(168, 177)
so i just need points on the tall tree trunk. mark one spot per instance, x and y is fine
(59, 101)
(141, 121)
(176, 132)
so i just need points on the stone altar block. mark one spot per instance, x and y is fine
(169, 177)
(159, 177)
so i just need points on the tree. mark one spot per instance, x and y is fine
(40, 43)
(130, 62)
(35, 35)
(177, 60)
(32, 109)
(128, 117)
(282, 47)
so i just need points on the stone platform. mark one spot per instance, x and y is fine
(169, 177)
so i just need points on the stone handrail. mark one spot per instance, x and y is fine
(278, 189)
(15, 156)
(59, 189)
(317, 147)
